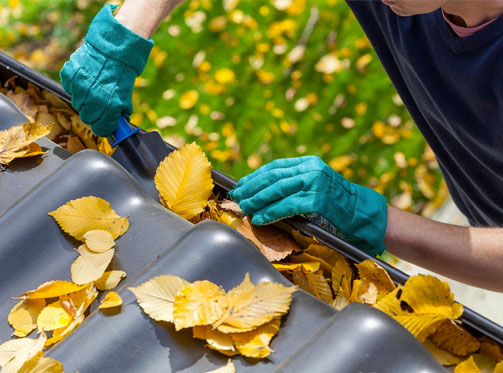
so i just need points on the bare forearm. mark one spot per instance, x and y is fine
(467, 254)
(144, 16)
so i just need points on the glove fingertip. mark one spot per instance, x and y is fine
(258, 219)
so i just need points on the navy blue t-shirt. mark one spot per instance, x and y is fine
(453, 89)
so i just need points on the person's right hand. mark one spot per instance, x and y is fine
(100, 75)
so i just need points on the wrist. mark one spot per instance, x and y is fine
(144, 17)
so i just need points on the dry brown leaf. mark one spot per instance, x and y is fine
(197, 304)
(90, 266)
(15, 141)
(111, 300)
(99, 241)
(23, 316)
(157, 296)
(454, 339)
(184, 181)
(24, 102)
(109, 280)
(369, 270)
(272, 242)
(231, 206)
(313, 283)
(74, 145)
(85, 214)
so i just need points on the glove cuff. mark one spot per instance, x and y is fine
(370, 219)
(116, 41)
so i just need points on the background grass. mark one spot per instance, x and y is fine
(254, 80)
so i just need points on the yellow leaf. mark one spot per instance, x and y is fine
(340, 302)
(77, 303)
(23, 316)
(250, 307)
(313, 283)
(272, 242)
(109, 280)
(85, 214)
(369, 270)
(302, 240)
(157, 296)
(32, 150)
(112, 299)
(304, 257)
(59, 334)
(216, 340)
(90, 266)
(52, 289)
(228, 368)
(255, 343)
(99, 241)
(42, 365)
(369, 294)
(342, 276)
(15, 141)
(285, 266)
(14, 353)
(428, 303)
(53, 316)
(325, 253)
(498, 368)
(454, 339)
(105, 147)
(443, 357)
(200, 303)
(184, 181)
(475, 364)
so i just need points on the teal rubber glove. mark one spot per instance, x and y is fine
(305, 185)
(100, 75)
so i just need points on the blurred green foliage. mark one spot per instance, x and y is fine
(251, 81)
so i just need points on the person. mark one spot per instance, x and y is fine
(443, 56)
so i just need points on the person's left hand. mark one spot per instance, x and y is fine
(294, 186)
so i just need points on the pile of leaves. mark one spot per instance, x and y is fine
(57, 307)
(18, 141)
(424, 304)
(44, 108)
(241, 321)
